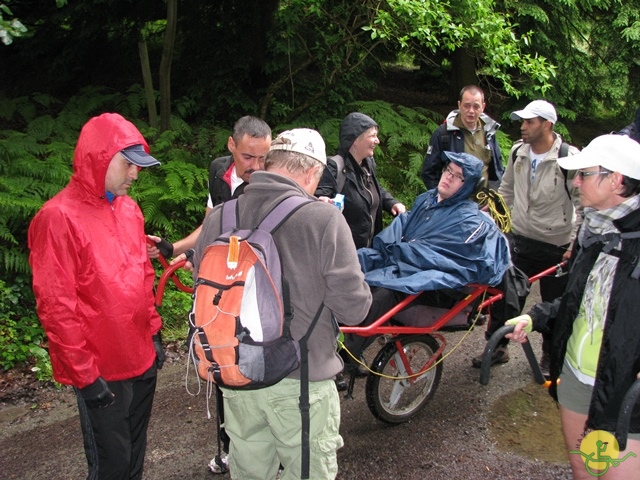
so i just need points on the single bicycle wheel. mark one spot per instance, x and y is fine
(393, 398)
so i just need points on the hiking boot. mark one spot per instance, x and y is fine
(500, 355)
(221, 465)
(544, 365)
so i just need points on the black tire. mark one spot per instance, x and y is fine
(410, 398)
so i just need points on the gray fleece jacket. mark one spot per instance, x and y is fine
(318, 258)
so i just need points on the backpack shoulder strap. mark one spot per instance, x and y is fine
(610, 241)
(635, 234)
(514, 154)
(445, 140)
(229, 216)
(304, 394)
(276, 217)
(563, 152)
(635, 274)
(340, 177)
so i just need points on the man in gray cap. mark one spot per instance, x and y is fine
(317, 251)
(93, 284)
(545, 208)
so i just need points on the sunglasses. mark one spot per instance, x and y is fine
(582, 174)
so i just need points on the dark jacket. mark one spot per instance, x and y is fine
(434, 161)
(357, 199)
(619, 360)
(220, 181)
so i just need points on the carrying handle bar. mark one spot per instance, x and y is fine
(169, 273)
(624, 414)
(485, 368)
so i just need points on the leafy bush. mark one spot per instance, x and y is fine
(21, 334)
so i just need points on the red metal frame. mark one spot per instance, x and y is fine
(379, 327)
(168, 274)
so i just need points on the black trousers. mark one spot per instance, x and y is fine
(115, 437)
(532, 257)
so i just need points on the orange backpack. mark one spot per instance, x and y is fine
(241, 313)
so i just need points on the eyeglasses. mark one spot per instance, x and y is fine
(448, 171)
(582, 173)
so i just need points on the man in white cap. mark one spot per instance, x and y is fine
(595, 357)
(93, 284)
(545, 208)
(319, 259)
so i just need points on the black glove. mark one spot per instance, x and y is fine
(157, 343)
(166, 248)
(97, 395)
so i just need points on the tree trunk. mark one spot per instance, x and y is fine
(463, 72)
(148, 83)
(165, 65)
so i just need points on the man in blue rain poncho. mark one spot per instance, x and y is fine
(445, 242)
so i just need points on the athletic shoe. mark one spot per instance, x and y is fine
(341, 383)
(221, 466)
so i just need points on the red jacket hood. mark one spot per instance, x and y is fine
(100, 139)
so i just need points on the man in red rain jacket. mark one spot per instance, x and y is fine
(93, 283)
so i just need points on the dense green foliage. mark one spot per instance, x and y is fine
(21, 335)
(595, 46)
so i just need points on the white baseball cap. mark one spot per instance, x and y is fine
(537, 108)
(617, 153)
(302, 140)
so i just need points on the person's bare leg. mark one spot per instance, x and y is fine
(573, 430)
(629, 469)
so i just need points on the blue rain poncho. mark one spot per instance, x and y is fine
(444, 245)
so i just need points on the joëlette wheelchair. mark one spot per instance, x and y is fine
(405, 373)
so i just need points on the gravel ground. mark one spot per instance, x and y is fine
(467, 431)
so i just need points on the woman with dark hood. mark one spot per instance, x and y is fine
(352, 172)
